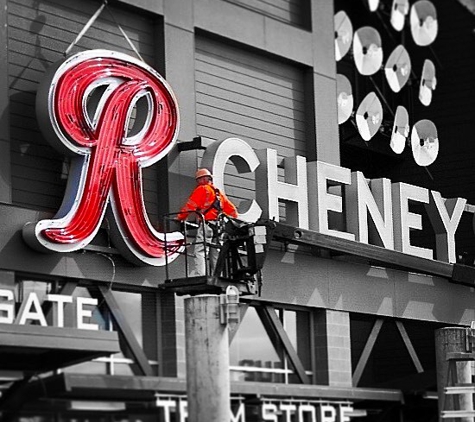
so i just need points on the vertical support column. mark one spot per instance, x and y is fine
(5, 167)
(207, 360)
(7, 279)
(453, 340)
(323, 82)
(178, 66)
(333, 348)
(167, 332)
(176, 62)
(180, 337)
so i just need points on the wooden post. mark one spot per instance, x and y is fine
(207, 360)
(452, 340)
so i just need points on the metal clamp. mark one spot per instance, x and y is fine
(229, 308)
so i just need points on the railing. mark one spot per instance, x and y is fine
(242, 248)
(190, 230)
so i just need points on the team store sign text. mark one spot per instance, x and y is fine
(273, 410)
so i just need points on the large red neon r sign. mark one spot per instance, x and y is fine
(115, 115)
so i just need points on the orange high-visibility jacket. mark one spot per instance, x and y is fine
(202, 199)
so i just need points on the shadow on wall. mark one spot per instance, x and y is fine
(38, 172)
(306, 280)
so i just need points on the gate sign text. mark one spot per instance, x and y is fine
(31, 310)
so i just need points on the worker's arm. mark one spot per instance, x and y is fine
(194, 203)
(228, 207)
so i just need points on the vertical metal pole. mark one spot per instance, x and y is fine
(165, 228)
(448, 340)
(207, 360)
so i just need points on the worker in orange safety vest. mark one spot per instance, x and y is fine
(208, 203)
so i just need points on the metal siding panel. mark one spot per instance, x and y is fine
(289, 11)
(273, 113)
(257, 98)
(253, 61)
(38, 36)
(267, 122)
(244, 84)
(63, 21)
(256, 137)
(235, 65)
(258, 92)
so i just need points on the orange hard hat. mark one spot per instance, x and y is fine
(203, 173)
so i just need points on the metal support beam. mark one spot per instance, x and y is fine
(126, 332)
(198, 142)
(374, 255)
(137, 388)
(243, 307)
(409, 346)
(367, 351)
(279, 337)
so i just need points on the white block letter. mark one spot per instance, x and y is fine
(377, 202)
(404, 220)
(344, 410)
(269, 412)
(85, 313)
(240, 416)
(166, 405)
(445, 217)
(327, 413)
(288, 410)
(293, 190)
(58, 307)
(31, 309)
(183, 405)
(8, 308)
(307, 408)
(322, 202)
(244, 159)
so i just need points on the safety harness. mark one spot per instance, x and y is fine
(216, 203)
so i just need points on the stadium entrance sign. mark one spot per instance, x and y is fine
(333, 200)
(115, 115)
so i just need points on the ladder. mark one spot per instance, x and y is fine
(456, 389)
